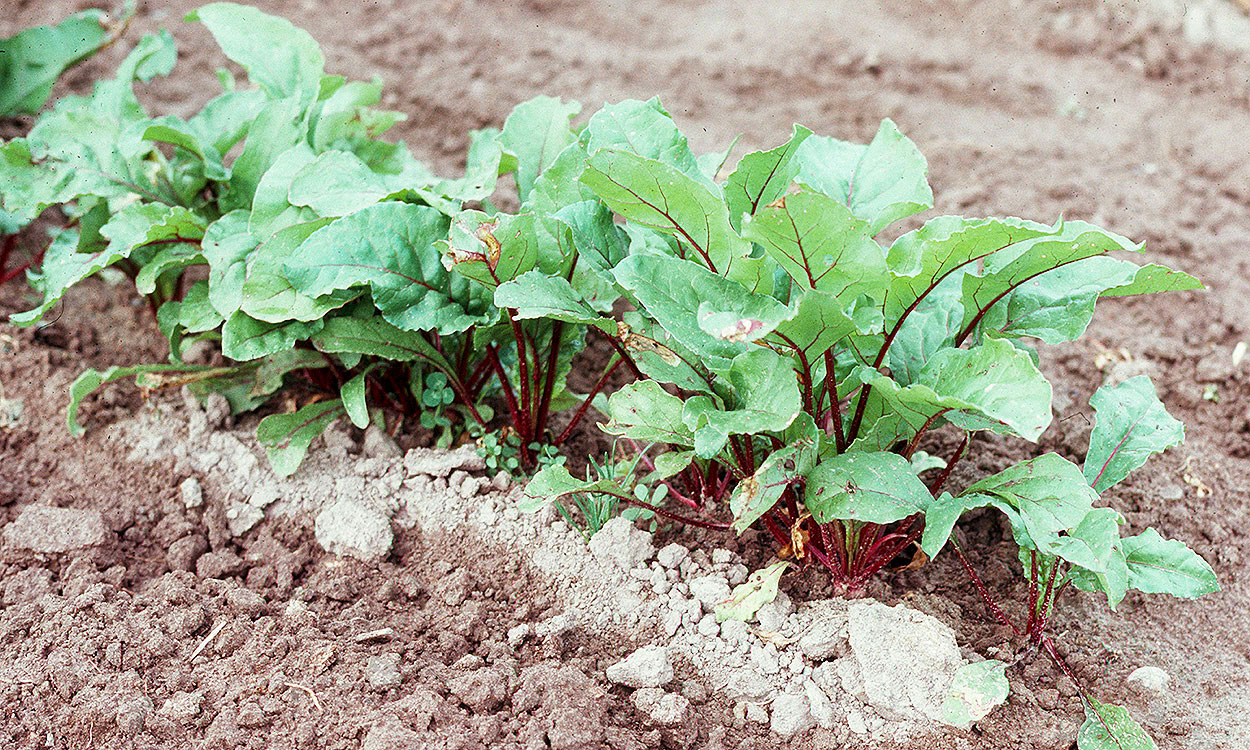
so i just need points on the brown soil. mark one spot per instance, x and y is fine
(1081, 110)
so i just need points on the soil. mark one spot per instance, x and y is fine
(1115, 113)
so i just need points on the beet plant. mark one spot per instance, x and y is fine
(241, 251)
(31, 61)
(795, 365)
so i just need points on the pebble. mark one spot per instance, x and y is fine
(46, 529)
(191, 492)
(383, 671)
(791, 716)
(647, 667)
(672, 555)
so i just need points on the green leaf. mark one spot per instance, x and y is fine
(535, 133)
(336, 183)
(679, 294)
(881, 183)
(746, 599)
(272, 369)
(286, 437)
(491, 249)
(244, 338)
(227, 246)
(762, 177)
(1110, 727)
(923, 258)
(758, 493)
(867, 487)
(1152, 278)
(91, 379)
(990, 386)
(536, 295)
(645, 129)
(177, 257)
(767, 400)
(390, 248)
(554, 482)
(821, 245)
(269, 296)
(1113, 583)
(1092, 545)
(645, 412)
(657, 195)
(818, 323)
(196, 313)
(1130, 424)
(974, 692)
(1166, 566)
(32, 59)
(353, 395)
(283, 60)
(1048, 493)
(599, 242)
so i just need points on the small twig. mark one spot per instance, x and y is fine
(374, 635)
(308, 690)
(204, 643)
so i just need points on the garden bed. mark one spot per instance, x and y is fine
(117, 627)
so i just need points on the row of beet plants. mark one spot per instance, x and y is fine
(787, 368)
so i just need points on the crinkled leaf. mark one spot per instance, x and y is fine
(674, 292)
(244, 338)
(974, 692)
(992, 385)
(762, 177)
(599, 242)
(881, 182)
(1130, 424)
(227, 246)
(535, 133)
(481, 171)
(282, 59)
(942, 514)
(537, 295)
(1109, 727)
(862, 486)
(1166, 566)
(645, 129)
(391, 249)
(278, 126)
(269, 296)
(1008, 271)
(820, 244)
(923, 258)
(645, 412)
(1092, 544)
(766, 400)
(32, 59)
(746, 599)
(286, 437)
(176, 257)
(491, 249)
(172, 130)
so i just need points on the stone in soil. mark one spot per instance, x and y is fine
(621, 542)
(826, 636)
(791, 715)
(906, 659)
(647, 667)
(662, 707)
(349, 527)
(47, 530)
